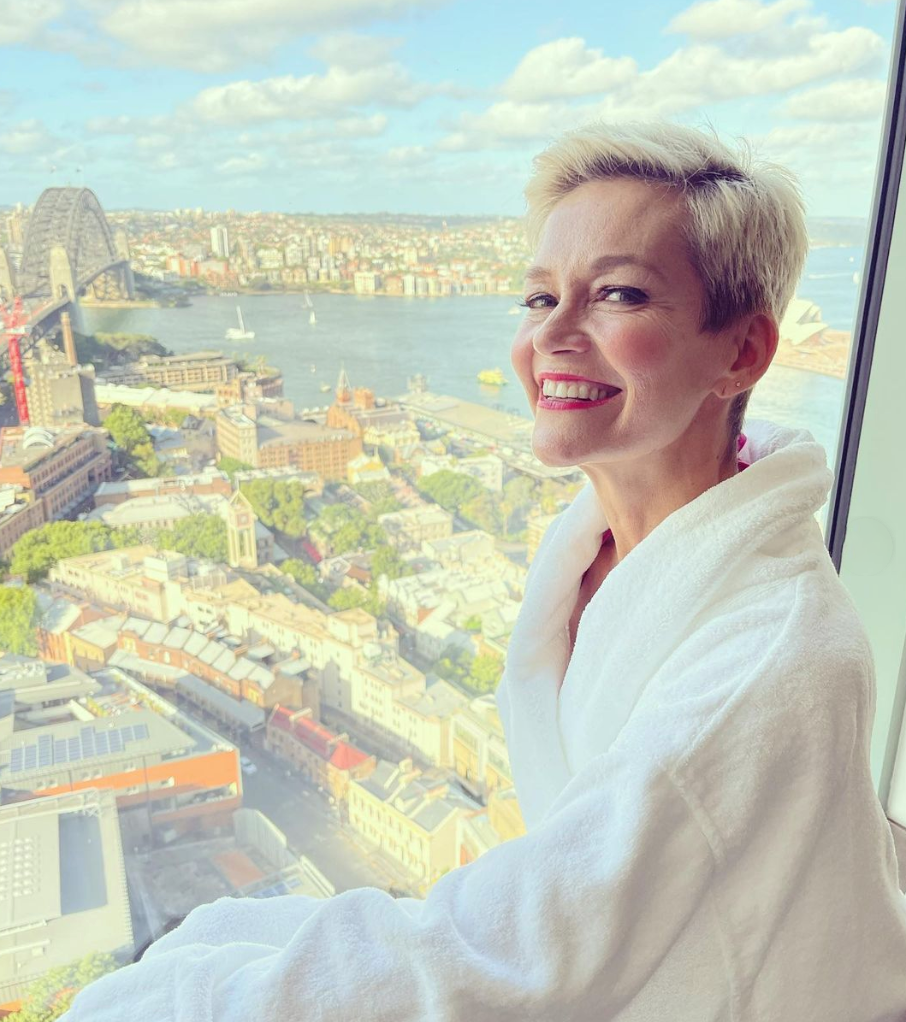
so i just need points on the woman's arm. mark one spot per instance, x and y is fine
(578, 912)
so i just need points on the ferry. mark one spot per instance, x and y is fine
(241, 334)
(492, 376)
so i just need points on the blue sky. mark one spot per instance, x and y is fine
(419, 106)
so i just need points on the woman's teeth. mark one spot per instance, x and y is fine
(581, 391)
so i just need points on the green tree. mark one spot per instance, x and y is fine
(129, 432)
(349, 596)
(472, 623)
(126, 427)
(51, 996)
(19, 620)
(196, 536)
(233, 465)
(35, 553)
(484, 511)
(484, 672)
(450, 489)
(306, 575)
(383, 506)
(279, 505)
(386, 561)
(453, 664)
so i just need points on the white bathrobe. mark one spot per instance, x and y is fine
(704, 840)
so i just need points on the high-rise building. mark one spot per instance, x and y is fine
(220, 241)
(59, 394)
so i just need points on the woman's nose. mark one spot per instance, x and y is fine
(561, 330)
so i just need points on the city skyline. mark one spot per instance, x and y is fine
(413, 106)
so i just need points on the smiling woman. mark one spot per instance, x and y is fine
(332, 746)
(688, 736)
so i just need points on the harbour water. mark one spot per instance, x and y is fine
(383, 340)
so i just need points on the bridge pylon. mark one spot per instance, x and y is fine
(62, 284)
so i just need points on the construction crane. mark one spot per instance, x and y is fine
(13, 320)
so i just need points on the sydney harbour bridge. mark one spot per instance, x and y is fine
(69, 251)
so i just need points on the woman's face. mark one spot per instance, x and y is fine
(613, 299)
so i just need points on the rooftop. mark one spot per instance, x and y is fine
(40, 750)
(61, 876)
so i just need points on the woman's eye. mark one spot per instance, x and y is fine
(539, 301)
(628, 295)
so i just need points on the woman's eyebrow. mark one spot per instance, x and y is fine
(538, 273)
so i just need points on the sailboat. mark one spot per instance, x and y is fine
(311, 316)
(241, 334)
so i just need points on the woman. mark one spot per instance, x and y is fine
(688, 692)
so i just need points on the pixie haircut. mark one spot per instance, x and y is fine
(745, 232)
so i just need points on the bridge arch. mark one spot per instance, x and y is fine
(72, 219)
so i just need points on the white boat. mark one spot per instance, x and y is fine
(241, 334)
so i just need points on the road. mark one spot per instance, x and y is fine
(313, 829)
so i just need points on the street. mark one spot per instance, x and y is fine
(312, 827)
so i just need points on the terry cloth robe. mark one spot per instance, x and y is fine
(704, 840)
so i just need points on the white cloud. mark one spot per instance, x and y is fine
(122, 125)
(292, 98)
(354, 51)
(723, 19)
(858, 99)
(246, 164)
(710, 73)
(23, 21)
(833, 142)
(506, 124)
(536, 99)
(566, 67)
(217, 35)
(27, 138)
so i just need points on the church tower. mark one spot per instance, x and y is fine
(242, 548)
(344, 390)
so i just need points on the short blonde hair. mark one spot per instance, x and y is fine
(745, 234)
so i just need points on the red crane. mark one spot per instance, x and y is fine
(13, 320)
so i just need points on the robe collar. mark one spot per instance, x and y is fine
(646, 605)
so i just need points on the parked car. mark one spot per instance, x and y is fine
(248, 767)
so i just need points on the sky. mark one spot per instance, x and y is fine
(419, 106)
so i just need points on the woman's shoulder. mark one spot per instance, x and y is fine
(765, 660)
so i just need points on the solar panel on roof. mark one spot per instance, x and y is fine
(100, 744)
(126, 732)
(75, 750)
(88, 745)
(45, 743)
(116, 741)
(141, 731)
(31, 757)
(59, 750)
(16, 762)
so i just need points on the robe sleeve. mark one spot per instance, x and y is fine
(570, 918)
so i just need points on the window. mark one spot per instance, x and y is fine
(190, 192)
